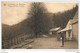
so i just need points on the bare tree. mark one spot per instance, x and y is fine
(38, 20)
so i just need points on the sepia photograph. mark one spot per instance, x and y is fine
(39, 25)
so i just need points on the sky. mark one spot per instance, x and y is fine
(15, 12)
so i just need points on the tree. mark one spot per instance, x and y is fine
(38, 19)
(61, 19)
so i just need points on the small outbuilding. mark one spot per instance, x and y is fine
(53, 31)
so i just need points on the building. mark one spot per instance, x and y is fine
(67, 31)
(71, 30)
(53, 31)
(75, 27)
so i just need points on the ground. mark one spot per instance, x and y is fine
(52, 43)
(49, 43)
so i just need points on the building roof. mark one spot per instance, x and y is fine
(65, 29)
(74, 21)
(68, 27)
(76, 15)
(75, 18)
(71, 21)
(54, 29)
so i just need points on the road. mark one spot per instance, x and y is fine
(52, 43)
(48, 43)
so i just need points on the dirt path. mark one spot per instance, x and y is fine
(48, 43)
(52, 43)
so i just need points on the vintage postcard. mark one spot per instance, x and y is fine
(39, 25)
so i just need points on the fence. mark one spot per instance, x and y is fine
(6, 44)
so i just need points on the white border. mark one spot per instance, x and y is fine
(43, 0)
(37, 50)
